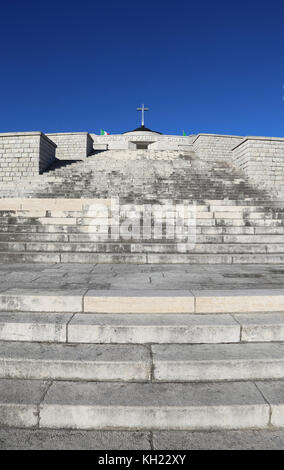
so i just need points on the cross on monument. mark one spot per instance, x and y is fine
(142, 109)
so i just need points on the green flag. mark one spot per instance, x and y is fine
(183, 133)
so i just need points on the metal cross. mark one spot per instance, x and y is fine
(142, 109)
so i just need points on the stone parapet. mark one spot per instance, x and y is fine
(215, 147)
(72, 145)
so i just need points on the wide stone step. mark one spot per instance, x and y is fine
(25, 233)
(74, 361)
(112, 405)
(171, 362)
(184, 362)
(141, 258)
(162, 329)
(141, 329)
(142, 248)
(273, 254)
(151, 301)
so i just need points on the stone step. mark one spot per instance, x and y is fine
(206, 362)
(145, 301)
(114, 405)
(32, 326)
(190, 329)
(64, 234)
(74, 361)
(204, 226)
(93, 218)
(141, 329)
(253, 238)
(76, 204)
(203, 258)
(122, 362)
(276, 257)
(125, 247)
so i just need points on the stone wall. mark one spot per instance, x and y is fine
(72, 145)
(262, 159)
(215, 147)
(24, 155)
(129, 141)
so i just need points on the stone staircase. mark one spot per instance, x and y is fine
(140, 176)
(54, 217)
(85, 231)
(142, 360)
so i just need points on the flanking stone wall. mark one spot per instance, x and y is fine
(24, 154)
(72, 145)
(262, 159)
(215, 147)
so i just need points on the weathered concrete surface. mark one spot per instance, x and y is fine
(158, 277)
(46, 439)
(66, 439)
(219, 440)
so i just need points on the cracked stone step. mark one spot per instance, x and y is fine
(136, 328)
(206, 362)
(91, 405)
(274, 394)
(74, 361)
(19, 402)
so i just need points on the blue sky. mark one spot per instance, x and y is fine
(200, 66)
